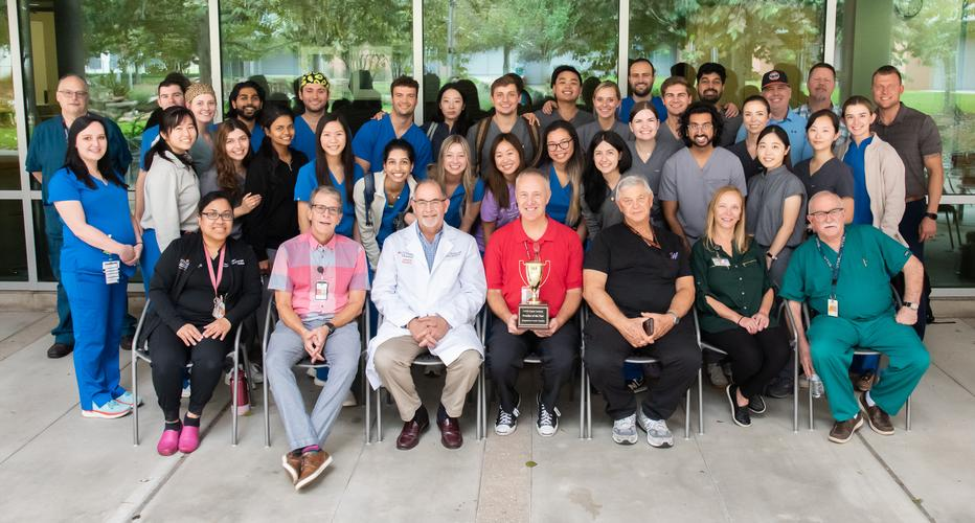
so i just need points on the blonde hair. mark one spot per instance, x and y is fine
(467, 179)
(610, 85)
(739, 239)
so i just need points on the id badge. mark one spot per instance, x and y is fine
(721, 262)
(111, 271)
(526, 294)
(321, 290)
(833, 307)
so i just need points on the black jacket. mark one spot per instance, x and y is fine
(178, 262)
(275, 220)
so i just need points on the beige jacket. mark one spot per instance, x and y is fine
(369, 233)
(885, 184)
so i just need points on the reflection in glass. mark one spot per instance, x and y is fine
(9, 159)
(13, 256)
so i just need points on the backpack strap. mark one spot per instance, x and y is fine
(369, 194)
(432, 130)
(480, 138)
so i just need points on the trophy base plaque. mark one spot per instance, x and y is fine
(533, 316)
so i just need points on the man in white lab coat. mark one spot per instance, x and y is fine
(429, 287)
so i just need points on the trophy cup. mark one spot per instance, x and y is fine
(533, 312)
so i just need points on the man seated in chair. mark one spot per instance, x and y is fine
(639, 286)
(557, 252)
(844, 273)
(429, 288)
(319, 281)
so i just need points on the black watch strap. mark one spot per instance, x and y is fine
(331, 326)
(932, 215)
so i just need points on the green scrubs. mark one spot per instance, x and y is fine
(865, 320)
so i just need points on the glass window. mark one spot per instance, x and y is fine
(9, 159)
(360, 46)
(481, 41)
(748, 38)
(13, 256)
(950, 257)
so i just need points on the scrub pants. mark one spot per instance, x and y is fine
(99, 315)
(150, 256)
(54, 231)
(832, 341)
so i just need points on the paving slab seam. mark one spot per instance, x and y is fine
(73, 407)
(26, 343)
(345, 489)
(25, 327)
(131, 508)
(960, 384)
(710, 476)
(900, 483)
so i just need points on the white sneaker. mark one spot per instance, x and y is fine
(624, 430)
(350, 400)
(658, 435)
(186, 390)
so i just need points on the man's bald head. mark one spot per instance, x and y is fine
(824, 201)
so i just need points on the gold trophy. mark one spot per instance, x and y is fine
(533, 312)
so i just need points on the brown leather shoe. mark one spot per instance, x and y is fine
(291, 462)
(312, 466)
(865, 381)
(450, 433)
(844, 430)
(878, 419)
(410, 435)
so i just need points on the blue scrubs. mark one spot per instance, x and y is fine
(99, 308)
(453, 216)
(626, 105)
(307, 182)
(373, 136)
(861, 198)
(304, 139)
(558, 206)
(390, 212)
(149, 137)
(48, 146)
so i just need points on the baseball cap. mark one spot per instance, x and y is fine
(775, 76)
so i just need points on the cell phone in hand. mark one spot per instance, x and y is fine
(648, 326)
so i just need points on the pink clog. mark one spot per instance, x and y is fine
(189, 439)
(168, 442)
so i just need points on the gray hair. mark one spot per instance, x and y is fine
(820, 195)
(327, 190)
(633, 180)
(429, 181)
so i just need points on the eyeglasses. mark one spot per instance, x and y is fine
(700, 127)
(73, 94)
(427, 204)
(564, 144)
(639, 200)
(325, 209)
(832, 213)
(222, 216)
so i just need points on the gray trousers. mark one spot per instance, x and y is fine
(342, 350)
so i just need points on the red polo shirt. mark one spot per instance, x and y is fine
(560, 248)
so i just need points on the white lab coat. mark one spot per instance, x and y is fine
(405, 288)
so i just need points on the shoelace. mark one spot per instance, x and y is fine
(545, 417)
(505, 418)
(625, 423)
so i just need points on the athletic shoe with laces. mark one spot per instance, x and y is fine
(548, 420)
(507, 421)
(109, 410)
(624, 430)
(658, 435)
(128, 399)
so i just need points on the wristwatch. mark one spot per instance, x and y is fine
(676, 317)
(914, 306)
(330, 325)
(932, 215)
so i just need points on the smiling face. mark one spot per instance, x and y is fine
(180, 138)
(430, 205)
(821, 83)
(778, 96)
(641, 79)
(821, 134)
(216, 220)
(606, 158)
(532, 193)
(72, 96)
(645, 125)
(451, 105)
(858, 119)
(727, 210)
(247, 103)
(314, 96)
(404, 101)
(827, 216)
(92, 142)
(710, 87)
(326, 212)
(700, 128)
(204, 106)
(333, 138)
(507, 159)
(505, 99)
(282, 131)
(169, 96)
(676, 99)
(560, 146)
(455, 160)
(754, 117)
(605, 102)
(567, 87)
(772, 151)
(398, 165)
(237, 145)
(635, 202)
(887, 90)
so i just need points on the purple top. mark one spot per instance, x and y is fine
(491, 211)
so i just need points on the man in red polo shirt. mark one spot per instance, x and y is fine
(533, 236)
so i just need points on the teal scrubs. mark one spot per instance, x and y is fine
(308, 182)
(865, 320)
(454, 213)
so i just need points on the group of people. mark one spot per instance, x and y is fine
(638, 218)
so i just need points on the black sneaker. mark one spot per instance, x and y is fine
(126, 343)
(59, 350)
(738, 414)
(779, 388)
(548, 420)
(507, 422)
(757, 405)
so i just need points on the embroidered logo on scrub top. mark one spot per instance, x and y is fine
(674, 255)
(184, 264)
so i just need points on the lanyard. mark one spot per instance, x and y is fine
(836, 269)
(215, 280)
(537, 248)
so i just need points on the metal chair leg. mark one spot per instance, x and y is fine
(582, 398)
(588, 394)
(907, 415)
(267, 414)
(379, 414)
(700, 404)
(812, 425)
(368, 400)
(234, 385)
(795, 396)
(135, 393)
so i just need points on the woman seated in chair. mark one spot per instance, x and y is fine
(195, 310)
(734, 302)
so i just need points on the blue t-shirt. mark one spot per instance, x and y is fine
(453, 216)
(106, 209)
(558, 206)
(390, 212)
(626, 105)
(49, 145)
(861, 198)
(795, 126)
(373, 136)
(307, 182)
(304, 139)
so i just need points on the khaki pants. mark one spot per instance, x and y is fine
(394, 359)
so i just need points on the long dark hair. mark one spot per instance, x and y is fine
(74, 163)
(227, 178)
(170, 119)
(271, 113)
(592, 180)
(495, 180)
(348, 158)
(573, 167)
(462, 124)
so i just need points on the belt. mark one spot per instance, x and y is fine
(915, 198)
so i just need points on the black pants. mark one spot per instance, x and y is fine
(169, 358)
(680, 361)
(755, 358)
(506, 354)
(913, 215)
